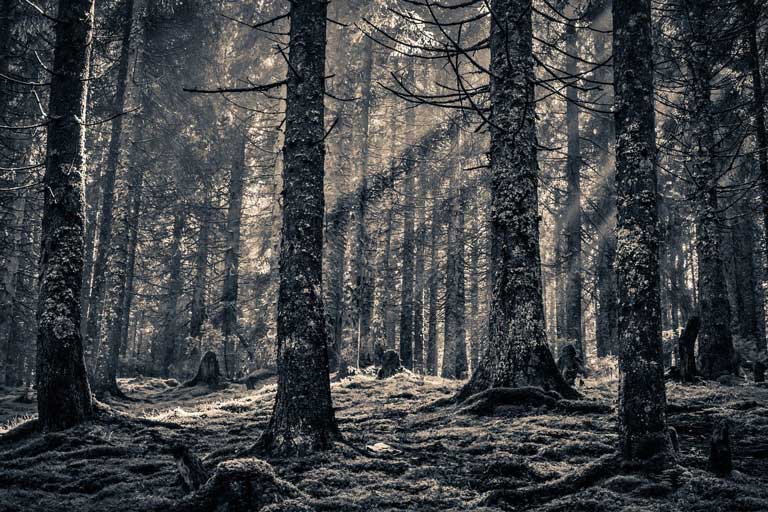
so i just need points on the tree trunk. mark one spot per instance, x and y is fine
(752, 19)
(167, 344)
(517, 352)
(363, 275)
(198, 313)
(63, 394)
(573, 203)
(686, 357)
(409, 255)
(716, 352)
(474, 284)
(418, 292)
(432, 284)
(303, 418)
(454, 346)
(642, 397)
(232, 252)
(96, 297)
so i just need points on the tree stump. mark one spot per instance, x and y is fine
(758, 369)
(570, 364)
(207, 373)
(721, 449)
(242, 485)
(390, 365)
(686, 365)
(191, 470)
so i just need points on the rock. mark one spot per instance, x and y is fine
(721, 449)
(390, 365)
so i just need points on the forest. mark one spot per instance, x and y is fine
(383, 255)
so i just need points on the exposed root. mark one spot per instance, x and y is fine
(486, 402)
(591, 474)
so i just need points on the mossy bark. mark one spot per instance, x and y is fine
(517, 354)
(63, 394)
(303, 419)
(642, 396)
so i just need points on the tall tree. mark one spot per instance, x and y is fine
(63, 394)
(517, 353)
(232, 249)
(573, 199)
(303, 419)
(642, 397)
(716, 352)
(96, 297)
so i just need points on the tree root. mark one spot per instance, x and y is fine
(595, 472)
(486, 402)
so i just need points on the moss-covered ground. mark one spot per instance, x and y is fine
(397, 454)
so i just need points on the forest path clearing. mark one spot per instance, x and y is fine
(429, 460)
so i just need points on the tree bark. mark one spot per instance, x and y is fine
(454, 346)
(363, 276)
(63, 394)
(198, 313)
(303, 418)
(517, 353)
(716, 352)
(752, 18)
(432, 285)
(573, 202)
(642, 396)
(409, 250)
(232, 252)
(418, 292)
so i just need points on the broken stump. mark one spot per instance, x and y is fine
(721, 449)
(244, 485)
(686, 365)
(390, 365)
(207, 373)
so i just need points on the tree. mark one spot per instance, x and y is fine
(716, 352)
(642, 396)
(573, 201)
(517, 353)
(63, 394)
(303, 418)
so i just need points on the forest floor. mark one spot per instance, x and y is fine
(431, 458)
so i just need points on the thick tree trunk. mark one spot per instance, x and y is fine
(63, 394)
(642, 396)
(573, 323)
(716, 352)
(232, 252)
(517, 352)
(96, 297)
(752, 18)
(303, 418)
